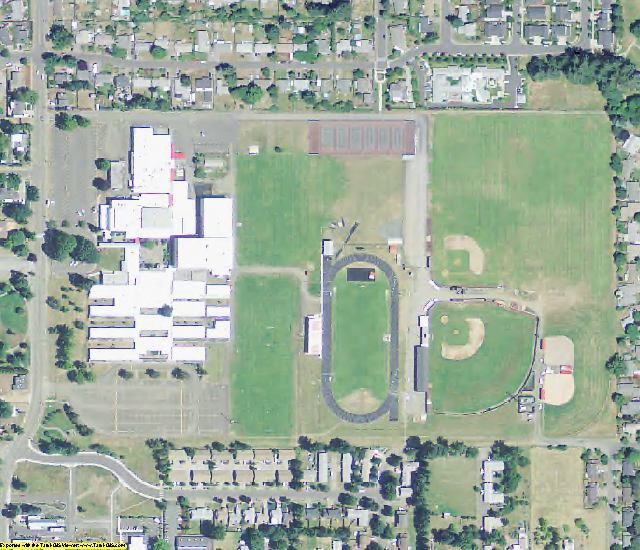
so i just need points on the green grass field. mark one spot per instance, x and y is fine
(451, 488)
(283, 201)
(262, 378)
(10, 319)
(360, 319)
(494, 372)
(524, 188)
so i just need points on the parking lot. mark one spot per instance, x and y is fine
(158, 408)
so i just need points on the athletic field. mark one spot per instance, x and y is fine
(534, 191)
(266, 319)
(283, 201)
(360, 356)
(488, 375)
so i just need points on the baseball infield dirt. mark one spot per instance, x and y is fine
(469, 245)
(464, 351)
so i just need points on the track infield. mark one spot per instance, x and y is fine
(490, 375)
(539, 208)
(360, 320)
(266, 321)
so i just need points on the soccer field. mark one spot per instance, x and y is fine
(360, 320)
(283, 201)
(534, 191)
(267, 317)
(493, 372)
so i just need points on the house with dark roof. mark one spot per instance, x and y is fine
(495, 30)
(537, 13)
(533, 32)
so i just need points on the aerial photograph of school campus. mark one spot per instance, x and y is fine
(320, 274)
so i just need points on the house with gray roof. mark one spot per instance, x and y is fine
(495, 30)
(536, 32)
(537, 13)
(561, 13)
(494, 12)
(630, 409)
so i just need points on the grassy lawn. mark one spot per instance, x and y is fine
(128, 503)
(360, 319)
(494, 372)
(110, 258)
(17, 322)
(557, 481)
(540, 210)
(93, 487)
(560, 94)
(266, 322)
(283, 201)
(56, 418)
(630, 12)
(452, 481)
(43, 479)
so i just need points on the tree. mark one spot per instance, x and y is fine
(6, 409)
(58, 245)
(60, 37)
(161, 544)
(102, 164)
(347, 499)
(179, 374)
(634, 28)
(158, 52)
(615, 365)
(65, 122)
(117, 51)
(166, 310)
(228, 73)
(25, 95)
(368, 504)
(101, 184)
(213, 530)
(125, 374)
(80, 281)
(249, 93)
(33, 193)
(84, 250)
(200, 172)
(18, 484)
(81, 121)
(152, 373)
(455, 21)
(17, 211)
(388, 485)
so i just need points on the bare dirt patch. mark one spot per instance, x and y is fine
(464, 351)
(444, 319)
(360, 401)
(558, 350)
(558, 388)
(469, 245)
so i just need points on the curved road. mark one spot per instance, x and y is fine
(126, 477)
(329, 272)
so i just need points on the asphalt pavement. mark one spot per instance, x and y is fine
(329, 271)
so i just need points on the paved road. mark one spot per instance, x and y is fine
(390, 404)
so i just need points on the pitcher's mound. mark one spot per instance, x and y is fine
(469, 245)
(360, 401)
(458, 352)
